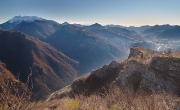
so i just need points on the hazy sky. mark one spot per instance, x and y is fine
(122, 12)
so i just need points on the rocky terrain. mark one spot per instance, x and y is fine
(146, 70)
(147, 79)
(143, 70)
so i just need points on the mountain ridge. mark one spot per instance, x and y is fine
(143, 70)
(25, 18)
(173, 33)
(32, 25)
(94, 49)
(48, 68)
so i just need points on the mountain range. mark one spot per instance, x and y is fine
(89, 48)
(172, 33)
(52, 55)
(33, 26)
(78, 39)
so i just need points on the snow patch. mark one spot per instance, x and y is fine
(25, 18)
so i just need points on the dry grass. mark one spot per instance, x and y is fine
(14, 95)
(115, 99)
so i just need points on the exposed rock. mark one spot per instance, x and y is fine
(64, 92)
(153, 70)
(97, 80)
(143, 70)
(138, 51)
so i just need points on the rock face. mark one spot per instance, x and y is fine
(35, 61)
(156, 70)
(143, 70)
(97, 80)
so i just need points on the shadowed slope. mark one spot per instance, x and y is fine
(47, 68)
(89, 48)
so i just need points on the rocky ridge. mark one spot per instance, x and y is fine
(143, 70)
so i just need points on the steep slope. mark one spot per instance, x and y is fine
(90, 49)
(12, 91)
(173, 34)
(97, 81)
(46, 68)
(145, 70)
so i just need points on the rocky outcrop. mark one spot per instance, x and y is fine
(143, 70)
(139, 52)
(98, 80)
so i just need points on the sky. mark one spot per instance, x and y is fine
(121, 12)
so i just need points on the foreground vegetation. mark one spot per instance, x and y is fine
(14, 95)
(114, 99)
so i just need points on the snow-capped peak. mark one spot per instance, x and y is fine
(25, 18)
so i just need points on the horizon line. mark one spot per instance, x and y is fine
(104, 24)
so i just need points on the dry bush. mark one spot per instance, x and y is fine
(126, 99)
(114, 99)
(14, 95)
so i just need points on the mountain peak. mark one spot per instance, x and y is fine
(96, 25)
(25, 18)
(65, 23)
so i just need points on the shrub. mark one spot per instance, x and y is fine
(73, 104)
(14, 95)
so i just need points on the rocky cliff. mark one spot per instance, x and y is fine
(143, 70)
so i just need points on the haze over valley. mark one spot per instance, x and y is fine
(89, 56)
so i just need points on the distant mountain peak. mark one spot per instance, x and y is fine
(65, 23)
(25, 18)
(96, 25)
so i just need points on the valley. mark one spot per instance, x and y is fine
(43, 56)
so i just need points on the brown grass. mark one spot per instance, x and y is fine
(14, 95)
(115, 99)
